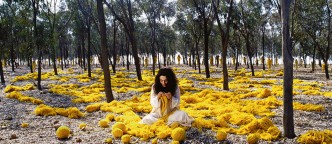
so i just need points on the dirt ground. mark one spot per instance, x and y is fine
(42, 129)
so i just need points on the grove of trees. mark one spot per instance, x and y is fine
(61, 33)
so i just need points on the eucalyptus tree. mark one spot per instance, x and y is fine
(316, 22)
(288, 120)
(205, 13)
(11, 14)
(305, 47)
(224, 32)
(25, 33)
(51, 18)
(123, 11)
(103, 54)
(274, 31)
(168, 36)
(37, 41)
(188, 24)
(167, 13)
(152, 10)
(247, 24)
(115, 47)
(86, 8)
(144, 41)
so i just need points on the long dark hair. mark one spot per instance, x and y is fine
(172, 81)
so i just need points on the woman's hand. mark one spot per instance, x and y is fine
(168, 95)
(160, 94)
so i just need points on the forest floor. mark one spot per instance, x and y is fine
(42, 129)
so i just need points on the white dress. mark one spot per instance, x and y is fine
(177, 116)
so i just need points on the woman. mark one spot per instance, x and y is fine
(165, 100)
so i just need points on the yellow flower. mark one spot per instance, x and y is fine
(221, 135)
(121, 126)
(93, 107)
(82, 126)
(125, 138)
(154, 141)
(117, 132)
(63, 132)
(178, 134)
(103, 123)
(24, 125)
(110, 117)
(252, 138)
(108, 141)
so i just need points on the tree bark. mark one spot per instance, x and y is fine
(1, 71)
(89, 46)
(104, 58)
(114, 46)
(288, 120)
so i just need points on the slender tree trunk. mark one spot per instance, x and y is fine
(198, 58)
(61, 45)
(249, 54)
(263, 46)
(313, 64)
(12, 54)
(288, 120)
(206, 50)
(1, 71)
(30, 57)
(127, 56)
(132, 37)
(104, 58)
(89, 47)
(83, 47)
(153, 47)
(114, 46)
(54, 60)
(35, 10)
(328, 41)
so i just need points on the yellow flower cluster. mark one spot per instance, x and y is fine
(71, 112)
(235, 111)
(316, 137)
(308, 107)
(23, 98)
(11, 88)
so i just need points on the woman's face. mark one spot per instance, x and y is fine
(163, 80)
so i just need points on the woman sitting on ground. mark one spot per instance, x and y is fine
(165, 100)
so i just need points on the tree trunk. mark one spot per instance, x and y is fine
(61, 45)
(114, 46)
(328, 41)
(35, 10)
(12, 54)
(249, 54)
(288, 120)
(89, 47)
(313, 60)
(30, 58)
(263, 47)
(54, 61)
(1, 71)
(83, 47)
(224, 41)
(127, 56)
(103, 54)
(206, 49)
(198, 58)
(132, 37)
